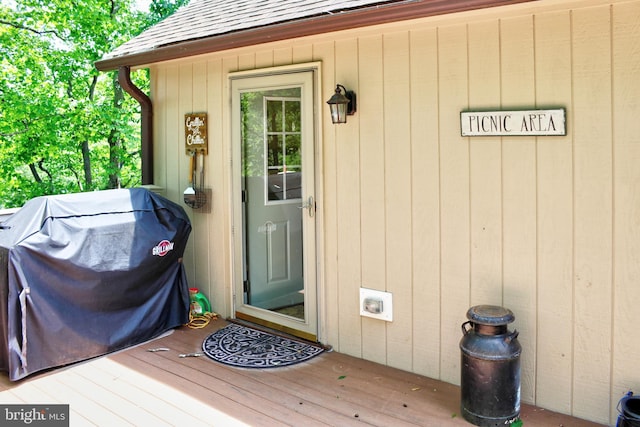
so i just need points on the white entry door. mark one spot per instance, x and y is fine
(274, 200)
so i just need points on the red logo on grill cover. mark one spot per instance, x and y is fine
(162, 248)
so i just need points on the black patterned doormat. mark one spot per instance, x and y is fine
(243, 347)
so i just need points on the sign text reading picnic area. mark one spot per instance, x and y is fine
(513, 123)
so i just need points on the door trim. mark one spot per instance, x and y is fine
(278, 327)
(237, 249)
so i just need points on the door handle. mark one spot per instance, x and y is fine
(310, 206)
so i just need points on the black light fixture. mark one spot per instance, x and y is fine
(342, 105)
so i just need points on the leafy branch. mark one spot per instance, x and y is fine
(32, 30)
(63, 126)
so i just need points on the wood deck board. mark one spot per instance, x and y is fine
(213, 395)
(167, 410)
(320, 382)
(175, 405)
(404, 401)
(104, 395)
(276, 394)
(137, 387)
(345, 408)
(86, 409)
(237, 388)
(273, 398)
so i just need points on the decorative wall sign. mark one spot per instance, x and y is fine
(195, 132)
(513, 123)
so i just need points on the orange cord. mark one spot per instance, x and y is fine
(200, 321)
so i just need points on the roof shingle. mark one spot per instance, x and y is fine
(206, 26)
(206, 18)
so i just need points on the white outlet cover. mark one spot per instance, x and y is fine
(387, 304)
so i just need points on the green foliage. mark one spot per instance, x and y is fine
(65, 127)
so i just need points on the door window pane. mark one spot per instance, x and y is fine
(283, 148)
(292, 116)
(275, 151)
(274, 117)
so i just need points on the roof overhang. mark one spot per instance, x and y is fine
(372, 15)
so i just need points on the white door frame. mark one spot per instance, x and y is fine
(239, 81)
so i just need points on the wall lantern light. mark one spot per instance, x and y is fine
(342, 105)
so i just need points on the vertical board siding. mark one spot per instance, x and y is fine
(519, 196)
(302, 53)
(397, 175)
(159, 99)
(546, 226)
(283, 56)
(593, 211)
(180, 161)
(175, 170)
(454, 197)
(325, 52)
(348, 205)
(554, 334)
(372, 187)
(626, 132)
(425, 203)
(485, 168)
(246, 61)
(201, 243)
(217, 179)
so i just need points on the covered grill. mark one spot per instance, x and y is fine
(86, 274)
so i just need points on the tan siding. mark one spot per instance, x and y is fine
(283, 56)
(397, 173)
(372, 186)
(159, 100)
(247, 61)
(201, 241)
(485, 159)
(175, 175)
(626, 131)
(546, 226)
(302, 53)
(325, 52)
(216, 178)
(519, 196)
(593, 212)
(454, 197)
(348, 206)
(178, 160)
(555, 218)
(425, 186)
(264, 58)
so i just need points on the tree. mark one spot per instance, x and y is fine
(65, 127)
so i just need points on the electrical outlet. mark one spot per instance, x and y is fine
(376, 304)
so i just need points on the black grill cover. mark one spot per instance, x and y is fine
(82, 275)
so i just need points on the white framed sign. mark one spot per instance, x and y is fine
(513, 123)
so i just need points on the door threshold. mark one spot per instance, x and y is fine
(274, 328)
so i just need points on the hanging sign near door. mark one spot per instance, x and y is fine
(195, 132)
(513, 123)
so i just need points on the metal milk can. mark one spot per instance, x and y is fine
(629, 410)
(490, 368)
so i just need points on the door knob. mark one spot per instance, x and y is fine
(310, 206)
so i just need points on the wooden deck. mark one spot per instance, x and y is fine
(137, 387)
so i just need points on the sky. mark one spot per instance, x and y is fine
(143, 5)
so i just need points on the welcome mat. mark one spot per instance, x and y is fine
(243, 347)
